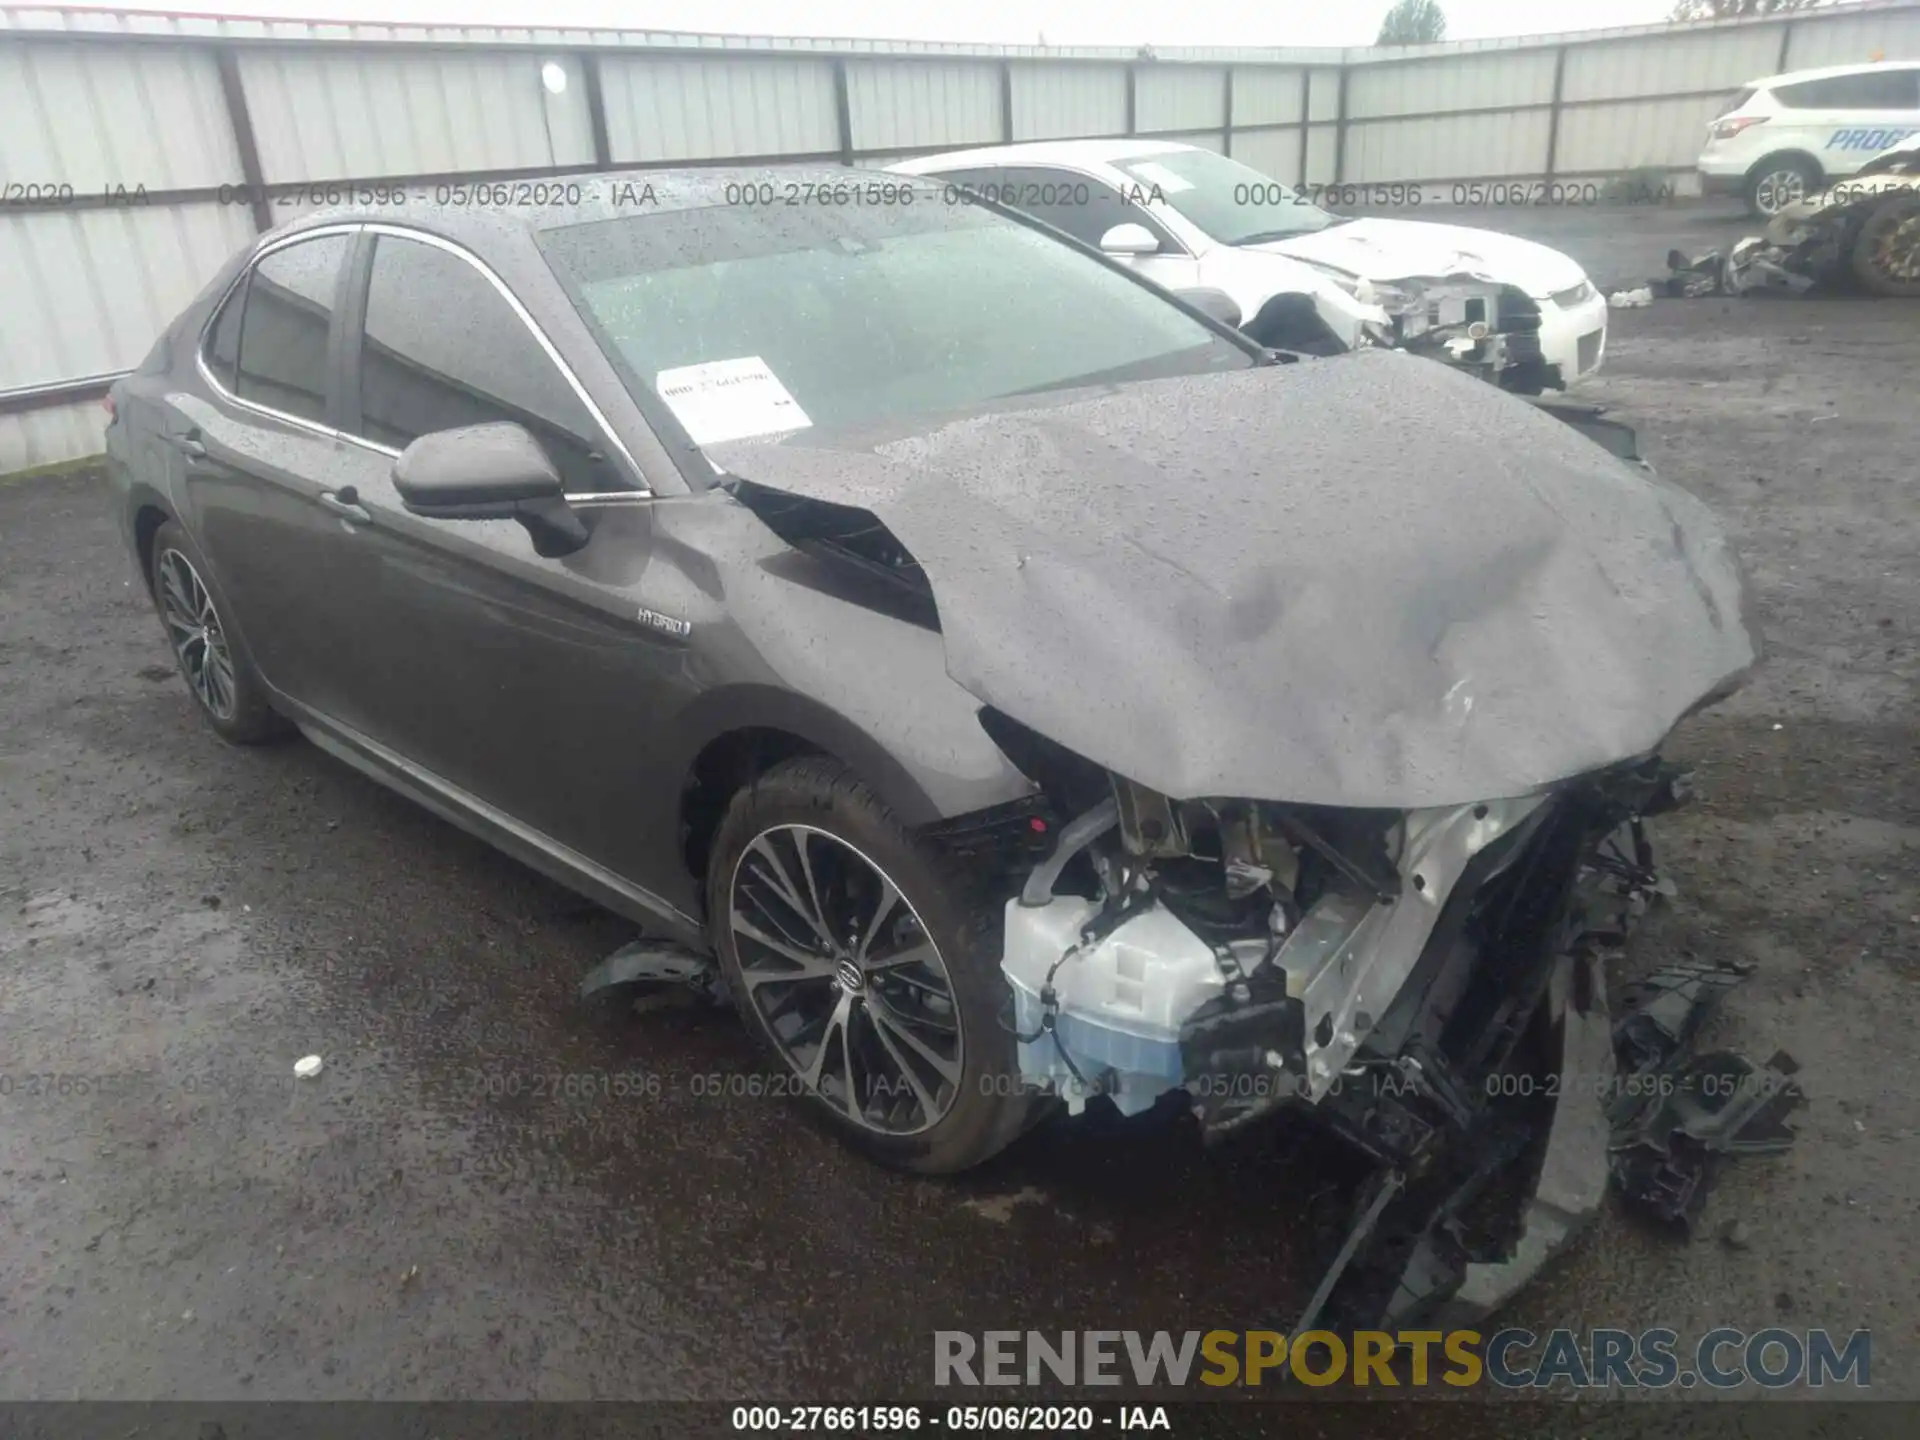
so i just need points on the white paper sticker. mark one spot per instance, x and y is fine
(729, 400)
(1168, 182)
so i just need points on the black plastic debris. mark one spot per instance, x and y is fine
(1754, 265)
(1687, 277)
(1675, 1112)
(650, 961)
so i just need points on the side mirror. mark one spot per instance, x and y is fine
(489, 472)
(1129, 239)
(1217, 303)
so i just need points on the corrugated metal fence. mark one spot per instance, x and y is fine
(138, 151)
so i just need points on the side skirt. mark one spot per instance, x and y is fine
(486, 822)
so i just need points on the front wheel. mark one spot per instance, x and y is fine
(1886, 253)
(861, 962)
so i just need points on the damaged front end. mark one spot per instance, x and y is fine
(1489, 330)
(1344, 813)
(1426, 984)
(1866, 226)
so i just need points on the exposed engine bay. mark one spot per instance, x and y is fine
(1408, 981)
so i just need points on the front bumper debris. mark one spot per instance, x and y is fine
(1809, 243)
(1675, 1112)
(1432, 992)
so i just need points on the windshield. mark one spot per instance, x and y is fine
(746, 320)
(1230, 202)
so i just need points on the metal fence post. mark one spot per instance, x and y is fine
(596, 108)
(1553, 115)
(1133, 100)
(843, 109)
(1226, 125)
(1340, 129)
(1006, 102)
(1306, 117)
(241, 123)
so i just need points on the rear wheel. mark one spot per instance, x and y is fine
(862, 963)
(1886, 252)
(1780, 181)
(227, 689)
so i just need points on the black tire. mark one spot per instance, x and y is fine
(1886, 252)
(1779, 181)
(984, 1107)
(234, 699)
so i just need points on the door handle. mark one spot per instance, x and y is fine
(345, 502)
(188, 445)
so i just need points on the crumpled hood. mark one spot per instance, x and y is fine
(1400, 249)
(1362, 581)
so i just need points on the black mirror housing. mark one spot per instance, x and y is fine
(489, 472)
(476, 465)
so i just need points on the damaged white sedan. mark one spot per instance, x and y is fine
(1507, 310)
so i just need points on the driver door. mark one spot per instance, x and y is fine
(525, 683)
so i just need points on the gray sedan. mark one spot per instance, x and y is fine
(1026, 690)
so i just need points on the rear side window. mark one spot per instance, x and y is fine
(223, 340)
(1869, 90)
(444, 349)
(282, 362)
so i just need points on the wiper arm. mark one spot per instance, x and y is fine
(1261, 237)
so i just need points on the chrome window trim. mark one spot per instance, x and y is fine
(206, 332)
(533, 328)
(642, 491)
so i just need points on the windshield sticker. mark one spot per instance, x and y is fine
(729, 400)
(1159, 175)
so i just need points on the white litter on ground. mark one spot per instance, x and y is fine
(1631, 299)
(307, 1066)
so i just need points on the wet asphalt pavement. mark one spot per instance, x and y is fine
(496, 1191)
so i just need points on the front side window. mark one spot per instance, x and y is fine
(443, 349)
(742, 320)
(282, 359)
(1231, 202)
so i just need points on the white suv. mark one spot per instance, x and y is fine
(1782, 138)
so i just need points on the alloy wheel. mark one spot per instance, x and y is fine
(1895, 246)
(193, 628)
(844, 976)
(1778, 189)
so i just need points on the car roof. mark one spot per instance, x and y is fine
(1040, 152)
(519, 207)
(1791, 77)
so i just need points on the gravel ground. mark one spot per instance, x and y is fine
(443, 1213)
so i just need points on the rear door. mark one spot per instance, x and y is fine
(529, 684)
(1845, 120)
(259, 452)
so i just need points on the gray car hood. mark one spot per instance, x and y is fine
(1362, 581)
